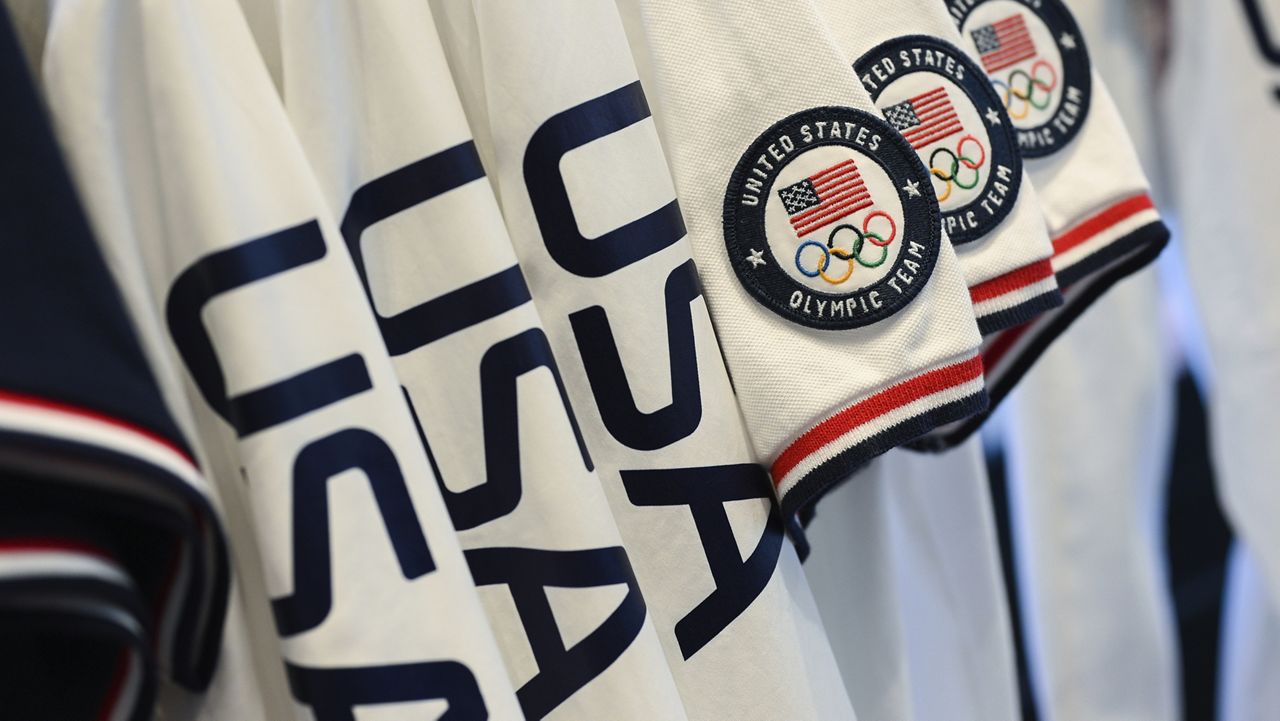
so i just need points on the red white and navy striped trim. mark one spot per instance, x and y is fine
(1079, 251)
(1089, 257)
(1015, 297)
(38, 414)
(66, 586)
(846, 440)
(49, 555)
(150, 471)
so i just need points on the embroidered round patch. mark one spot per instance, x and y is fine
(829, 221)
(939, 99)
(1035, 56)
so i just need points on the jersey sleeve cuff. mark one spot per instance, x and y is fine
(1015, 297)
(846, 440)
(1089, 258)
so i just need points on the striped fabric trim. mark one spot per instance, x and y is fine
(1084, 240)
(35, 414)
(64, 585)
(150, 470)
(1090, 257)
(1016, 297)
(1073, 248)
(841, 443)
(43, 556)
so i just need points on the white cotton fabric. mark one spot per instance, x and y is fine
(1220, 116)
(1088, 438)
(1249, 651)
(181, 148)
(1096, 203)
(1088, 526)
(519, 64)
(718, 75)
(853, 574)
(1097, 169)
(1021, 239)
(906, 571)
(362, 112)
(1221, 86)
(249, 681)
(1094, 170)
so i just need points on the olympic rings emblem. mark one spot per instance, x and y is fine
(853, 255)
(1022, 90)
(950, 174)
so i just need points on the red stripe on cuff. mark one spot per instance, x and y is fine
(1097, 224)
(1010, 282)
(48, 545)
(867, 410)
(1084, 231)
(49, 405)
(1003, 342)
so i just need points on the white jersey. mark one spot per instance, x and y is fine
(370, 95)
(564, 128)
(906, 571)
(906, 54)
(1094, 195)
(1250, 645)
(1086, 525)
(207, 205)
(1222, 86)
(838, 300)
(1098, 616)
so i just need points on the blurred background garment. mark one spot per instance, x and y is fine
(1250, 645)
(1221, 109)
(1088, 435)
(906, 571)
(1221, 103)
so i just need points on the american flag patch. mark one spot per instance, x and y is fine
(925, 119)
(1004, 43)
(825, 197)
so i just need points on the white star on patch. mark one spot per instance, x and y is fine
(912, 188)
(992, 116)
(756, 259)
(1068, 41)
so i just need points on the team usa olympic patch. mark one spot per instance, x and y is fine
(1034, 54)
(939, 99)
(829, 220)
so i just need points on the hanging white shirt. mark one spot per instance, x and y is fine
(193, 168)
